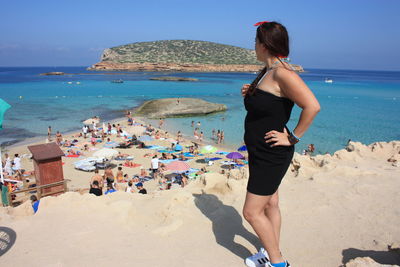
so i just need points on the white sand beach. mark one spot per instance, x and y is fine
(337, 210)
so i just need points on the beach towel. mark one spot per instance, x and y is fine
(187, 154)
(72, 156)
(222, 152)
(165, 151)
(155, 147)
(166, 161)
(215, 158)
(4, 192)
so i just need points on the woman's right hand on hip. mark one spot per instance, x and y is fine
(245, 88)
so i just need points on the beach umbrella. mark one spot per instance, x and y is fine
(136, 130)
(208, 149)
(106, 153)
(234, 155)
(178, 147)
(242, 148)
(145, 138)
(110, 144)
(178, 166)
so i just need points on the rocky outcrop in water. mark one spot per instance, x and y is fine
(177, 107)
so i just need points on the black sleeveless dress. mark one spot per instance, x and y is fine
(267, 165)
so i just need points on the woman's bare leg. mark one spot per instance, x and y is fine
(273, 213)
(254, 213)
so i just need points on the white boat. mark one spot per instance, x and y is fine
(328, 80)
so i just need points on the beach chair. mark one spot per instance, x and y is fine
(102, 164)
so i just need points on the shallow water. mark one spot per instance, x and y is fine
(359, 105)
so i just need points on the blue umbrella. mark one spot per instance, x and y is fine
(145, 138)
(242, 148)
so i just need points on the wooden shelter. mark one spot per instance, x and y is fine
(48, 168)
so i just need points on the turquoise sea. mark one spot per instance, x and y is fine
(359, 105)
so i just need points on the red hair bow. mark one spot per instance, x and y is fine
(260, 23)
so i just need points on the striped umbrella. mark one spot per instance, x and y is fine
(178, 166)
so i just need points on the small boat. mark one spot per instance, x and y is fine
(117, 81)
(69, 82)
(328, 80)
(78, 82)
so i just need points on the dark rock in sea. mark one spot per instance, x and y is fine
(177, 107)
(52, 73)
(175, 79)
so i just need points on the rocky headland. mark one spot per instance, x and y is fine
(177, 107)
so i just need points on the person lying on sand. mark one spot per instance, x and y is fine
(121, 156)
(129, 163)
(165, 156)
(67, 143)
(182, 157)
(202, 171)
(71, 152)
(148, 155)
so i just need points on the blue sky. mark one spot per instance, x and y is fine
(352, 34)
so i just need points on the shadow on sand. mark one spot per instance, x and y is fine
(381, 257)
(7, 239)
(226, 223)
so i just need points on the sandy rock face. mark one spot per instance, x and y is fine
(172, 107)
(366, 262)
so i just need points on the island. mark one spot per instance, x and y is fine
(174, 79)
(177, 107)
(180, 56)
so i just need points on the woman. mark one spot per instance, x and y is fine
(269, 101)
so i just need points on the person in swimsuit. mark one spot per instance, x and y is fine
(59, 138)
(269, 101)
(49, 133)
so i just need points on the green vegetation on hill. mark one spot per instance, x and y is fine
(179, 51)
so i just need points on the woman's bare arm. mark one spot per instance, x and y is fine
(294, 88)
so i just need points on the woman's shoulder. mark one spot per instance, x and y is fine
(285, 74)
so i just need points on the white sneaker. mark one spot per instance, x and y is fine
(264, 251)
(258, 260)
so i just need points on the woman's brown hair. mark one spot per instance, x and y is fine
(275, 38)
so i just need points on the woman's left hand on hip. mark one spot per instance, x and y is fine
(279, 138)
